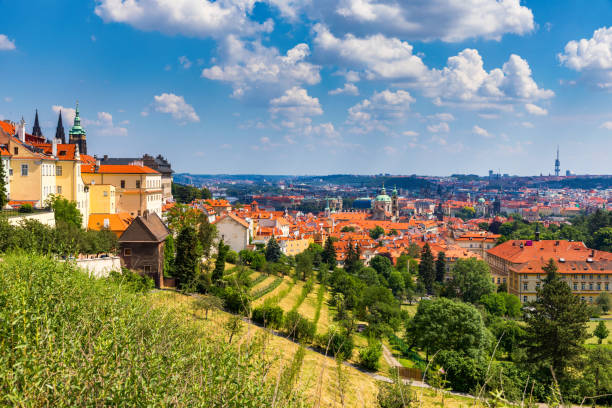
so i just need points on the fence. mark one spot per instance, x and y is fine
(410, 373)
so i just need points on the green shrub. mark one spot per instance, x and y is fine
(67, 340)
(26, 208)
(269, 316)
(236, 300)
(264, 291)
(337, 342)
(298, 327)
(369, 356)
(231, 257)
(132, 281)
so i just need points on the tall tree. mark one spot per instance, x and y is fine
(3, 194)
(352, 262)
(303, 267)
(65, 211)
(207, 233)
(169, 255)
(273, 251)
(187, 258)
(440, 267)
(427, 272)
(556, 324)
(377, 232)
(471, 280)
(329, 253)
(220, 262)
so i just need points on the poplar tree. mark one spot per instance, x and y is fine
(440, 267)
(427, 271)
(187, 259)
(329, 253)
(220, 262)
(556, 325)
(352, 263)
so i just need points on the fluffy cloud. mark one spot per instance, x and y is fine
(296, 107)
(477, 130)
(381, 109)
(67, 114)
(464, 81)
(194, 18)
(444, 116)
(250, 65)
(528, 125)
(6, 44)
(176, 106)
(185, 62)
(106, 126)
(348, 89)
(441, 127)
(593, 57)
(379, 56)
(606, 125)
(446, 20)
(535, 109)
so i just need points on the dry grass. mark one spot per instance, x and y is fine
(264, 283)
(286, 283)
(326, 316)
(309, 305)
(289, 301)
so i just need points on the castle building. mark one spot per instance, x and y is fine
(77, 134)
(385, 208)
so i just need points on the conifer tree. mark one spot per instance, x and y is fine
(273, 252)
(427, 271)
(601, 332)
(440, 267)
(556, 324)
(3, 195)
(329, 253)
(352, 263)
(220, 262)
(187, 259)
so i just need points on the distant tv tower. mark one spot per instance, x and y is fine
(557, 164)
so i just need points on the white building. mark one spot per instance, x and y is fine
(234, 231)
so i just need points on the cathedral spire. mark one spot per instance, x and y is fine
(59, 131)
(77, 133)
(36, 131)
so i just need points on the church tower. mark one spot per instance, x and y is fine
(36, 131)
(60, 136)
(395, 205)
(77, 133)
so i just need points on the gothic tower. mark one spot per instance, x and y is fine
(395, 205)
(59, 131)
(77, 133)
(36, 131)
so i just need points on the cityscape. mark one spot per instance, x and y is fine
(360, 213)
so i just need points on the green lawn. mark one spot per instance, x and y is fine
(591, 328)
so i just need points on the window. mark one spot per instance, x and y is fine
(147, 268)
(504, 280)
(10, 172)
(137, 183)
(16, 151)
(24, 169)
(575, 286)
(127, 251)
(58, 170)
(525, 286)
(582, 286)
(122, 183)
(59, 189)
(590, 286)
(590, 299)
(598, 286)
(524, 299)
(607, 286)
(105, 194)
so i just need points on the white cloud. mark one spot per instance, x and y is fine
(252, 66)
(67, 114)
(176, 106)
(593, 57)
(446, 20)
(444, 117)
(535, 109)
(606, 125)
(106, 126)
(348, 89)
(382, 108)
(193, 18)
(6, 44)
(528, 125)
(379, 56)
(390, 150)
(410, 133)
(441, 127)
(296, 106)
(184, 61)
(477, 130)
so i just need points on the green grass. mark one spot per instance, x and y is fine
(67, 340)
(267, 289)
(591, 327)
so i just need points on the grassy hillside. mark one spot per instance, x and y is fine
(67, 340)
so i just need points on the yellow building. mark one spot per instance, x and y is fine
(137, 188)
(292, 247)
(102, 199)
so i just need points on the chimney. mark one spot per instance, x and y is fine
(54, 147)
(106, 157)
(21, 127)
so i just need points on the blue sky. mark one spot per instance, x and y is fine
(320, 86)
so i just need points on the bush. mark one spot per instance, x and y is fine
(231, 257)
(26, 208)
(132, 281)
(72, 341)
(395, 395)
(337, 342)
(369, 357)
(298, 327)
(236, 300)
(463, 373)
(269, 316)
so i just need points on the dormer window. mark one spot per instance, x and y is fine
(16, 150)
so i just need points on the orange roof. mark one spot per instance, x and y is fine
(7, 127)
(4, 152)
(520, 251)
(116, 222)
(118, 169)
(65, 151)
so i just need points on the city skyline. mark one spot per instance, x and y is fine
(311, 87)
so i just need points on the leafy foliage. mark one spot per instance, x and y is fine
(187, 262)
(186, 194)
(273, 251)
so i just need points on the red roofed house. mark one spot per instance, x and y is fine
(235, 231)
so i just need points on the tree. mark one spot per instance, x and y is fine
(207, 233)
(234, 326)
(169, 255)
(414, 251)
(329, 253)
(207, 303)
(377, 232)
(396, 283)
(597, 374)
(445, 324)
(382, 265)
(217, 274)
(427, 272)
(3, 194)
(352, 262)
(440, 267)
(604, 301)
(402, 263)
(347, 229)
(181, 216)
(273, 251)
(471, 280)
(556, 324)
(303, 268)
(601, 332)
(187, 259)
(65, 211)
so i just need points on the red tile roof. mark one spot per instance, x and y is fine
(118, 169)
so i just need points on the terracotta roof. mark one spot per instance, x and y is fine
(7, 127)
(65, 151)
(116, 222)
(118, 169)
(145, 228)
(4, 152)
(233, 217)
(520, 251)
